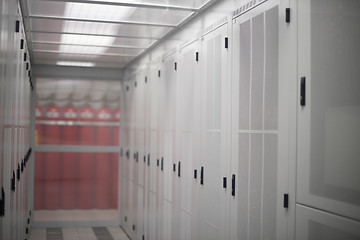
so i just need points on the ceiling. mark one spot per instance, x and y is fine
(101, 33)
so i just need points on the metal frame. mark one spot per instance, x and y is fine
(100, 21)
(172, 27)
(94, 34)
(128, 4)
(87, 54)
(88, 45)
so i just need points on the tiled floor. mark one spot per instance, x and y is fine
(96, 233)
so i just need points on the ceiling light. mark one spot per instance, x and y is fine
(91, 11)
(78, 64)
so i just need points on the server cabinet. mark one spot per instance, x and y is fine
(329, 106)
(141, 155)
(313, 224)
(213, 158)
(171, 195)
(189, 134)
(254, 162)
(152, 202)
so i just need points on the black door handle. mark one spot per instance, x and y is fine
(224, 182)
(2, 203)
(13, 182)
(233, 185)
(303, 91)
(179, 169)
(18, 172)
(202, 176)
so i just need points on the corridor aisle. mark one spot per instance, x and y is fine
(95, 233)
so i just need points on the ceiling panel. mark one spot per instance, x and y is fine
(107, 13)
(50, 25)
(101, 32)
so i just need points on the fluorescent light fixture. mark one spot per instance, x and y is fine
(77, 64)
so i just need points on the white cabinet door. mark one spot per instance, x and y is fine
(329, 106)
(312, 224)
(254, 165)
(141, 186)
(214, 161)
(189, 134)
(167, 181)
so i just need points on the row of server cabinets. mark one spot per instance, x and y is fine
(15, 151)
(249, 131)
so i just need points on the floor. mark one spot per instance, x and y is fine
(95, 233)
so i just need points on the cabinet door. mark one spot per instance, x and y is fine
(312, 224)
(254, 165)
(214, 161)
(329, 106)
(141, 187)
(189, 133)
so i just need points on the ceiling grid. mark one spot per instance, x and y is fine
(94, 33)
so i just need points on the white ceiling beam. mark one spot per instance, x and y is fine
(101, 21)
(89, 45)
(86, 54)
(128, 4)
(94, 34)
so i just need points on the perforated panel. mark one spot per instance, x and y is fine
(244, 87)
(255, 123)
(271, 69)
(243, 187)
(257, 72)
(214, 84)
